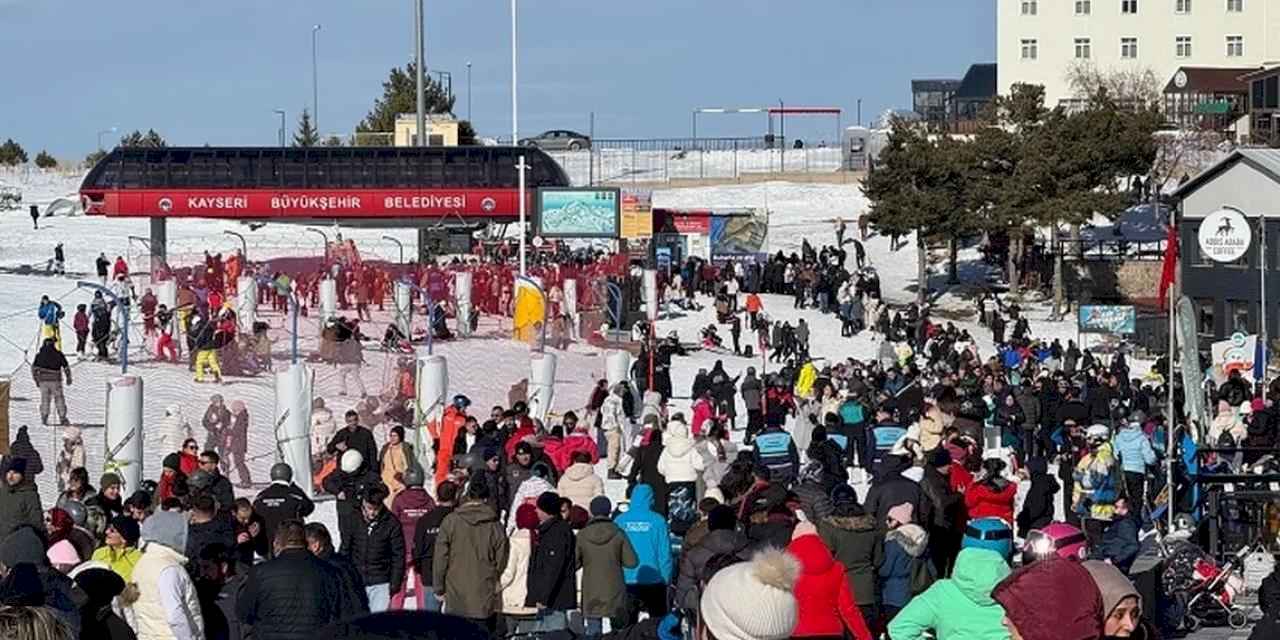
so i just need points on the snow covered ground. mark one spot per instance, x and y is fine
(484, 368)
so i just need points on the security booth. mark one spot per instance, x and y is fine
(1228, 220)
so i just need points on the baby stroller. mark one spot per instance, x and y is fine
(1208, 590)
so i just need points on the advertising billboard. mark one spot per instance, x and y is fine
(1112, 319)
(578, 213)
(637, 215)
(739, 235)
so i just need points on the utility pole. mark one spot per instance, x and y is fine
(420, 61)
(468, 91)
(315, 81)
(515, 103)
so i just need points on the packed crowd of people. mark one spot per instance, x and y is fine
(504, 528)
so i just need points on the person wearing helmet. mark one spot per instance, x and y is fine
(1096, 487)
(282, 500)
(445, 436)
(352, 476)
(408, 507)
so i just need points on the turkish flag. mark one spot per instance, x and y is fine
(1169, 271)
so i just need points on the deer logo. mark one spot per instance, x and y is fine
(1225, 229)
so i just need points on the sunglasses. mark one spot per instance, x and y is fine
(192, 448)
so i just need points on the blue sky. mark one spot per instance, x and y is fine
(213, 72)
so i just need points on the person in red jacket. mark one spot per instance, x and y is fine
(825, 604)
(120, 268)
(993, 496)
(445, 435)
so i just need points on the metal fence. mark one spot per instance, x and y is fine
(603, 164)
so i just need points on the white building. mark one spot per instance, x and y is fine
(1038, 41)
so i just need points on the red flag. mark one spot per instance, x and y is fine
(1169, 271)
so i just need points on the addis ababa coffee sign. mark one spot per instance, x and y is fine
(1225, 236)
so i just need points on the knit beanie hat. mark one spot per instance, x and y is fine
(63, 553)
(753, 600)
(168, 528)
(127, 528)
(549, 503)
(108, 480)
(172, 461)
(1113, 585)
(101, 585)
(601, 507)
(722, 518)
(804, 529)
(17, 465)
(901, 514)
(23, 546)
(527, 516)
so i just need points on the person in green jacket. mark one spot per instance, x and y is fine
(961, 607)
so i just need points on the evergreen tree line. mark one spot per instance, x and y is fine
(1027, 167)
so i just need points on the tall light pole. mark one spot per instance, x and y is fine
(111, 130)
(315, 81)
(468, 91)
(420, 61)
(515, 104)
(280, 112)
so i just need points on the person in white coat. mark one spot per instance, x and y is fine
(174, 429)
(615, 424)
(514, 581)
(167, 607)
(681, 464)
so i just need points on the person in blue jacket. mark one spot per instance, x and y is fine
(853, 431)
(775, 449)
(1133, 448)
(647, 532)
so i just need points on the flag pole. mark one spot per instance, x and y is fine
(1172, 420)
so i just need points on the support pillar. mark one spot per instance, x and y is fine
(246, 303)
(328, 299)
(402, 303)
(571, 308)
(293, 388)
(542, 381)
(433, 393)
(159, 246)
(462, 291)
(424, 255)
(123, 441)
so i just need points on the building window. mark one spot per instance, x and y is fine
(1235, 46)
(1028, 7)
(1084, 7)
(1029, 49)
(1129, 6)
(1235, 6)
(1182, 6)
(1129, 48)
(1182, 46)
(1205, 325)
(1239, 318)
(1083, 49)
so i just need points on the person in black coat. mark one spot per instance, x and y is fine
(1120, 544)
(1269, 601)
(354, 436)
(295, 593)
(347, 482)
(320, 544)
(97, 618)
(552, 587)
(281, 501)
(377, 549)
(645, 471)
(208, 527)
(890, 488)
(1037, 507)
(424, 536)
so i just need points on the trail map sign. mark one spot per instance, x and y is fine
(1225, 236)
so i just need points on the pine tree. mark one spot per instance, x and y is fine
(398, 96)
(148, 140)
(306, 135)
(45, 161)
(12, 153)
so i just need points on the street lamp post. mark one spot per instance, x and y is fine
(280, 112)
(244, 246)
(420, 58)
(111, 130)
(398, 244)
(323, 235)
(468, 91)
(315, 80)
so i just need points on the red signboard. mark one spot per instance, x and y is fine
(304, 203)
(695, 223)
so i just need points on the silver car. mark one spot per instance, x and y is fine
(558, 140)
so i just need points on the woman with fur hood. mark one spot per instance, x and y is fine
(905, 546)
(681, 464)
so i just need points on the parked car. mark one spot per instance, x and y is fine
(558, 140)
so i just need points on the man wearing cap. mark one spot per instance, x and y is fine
(19, 498)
